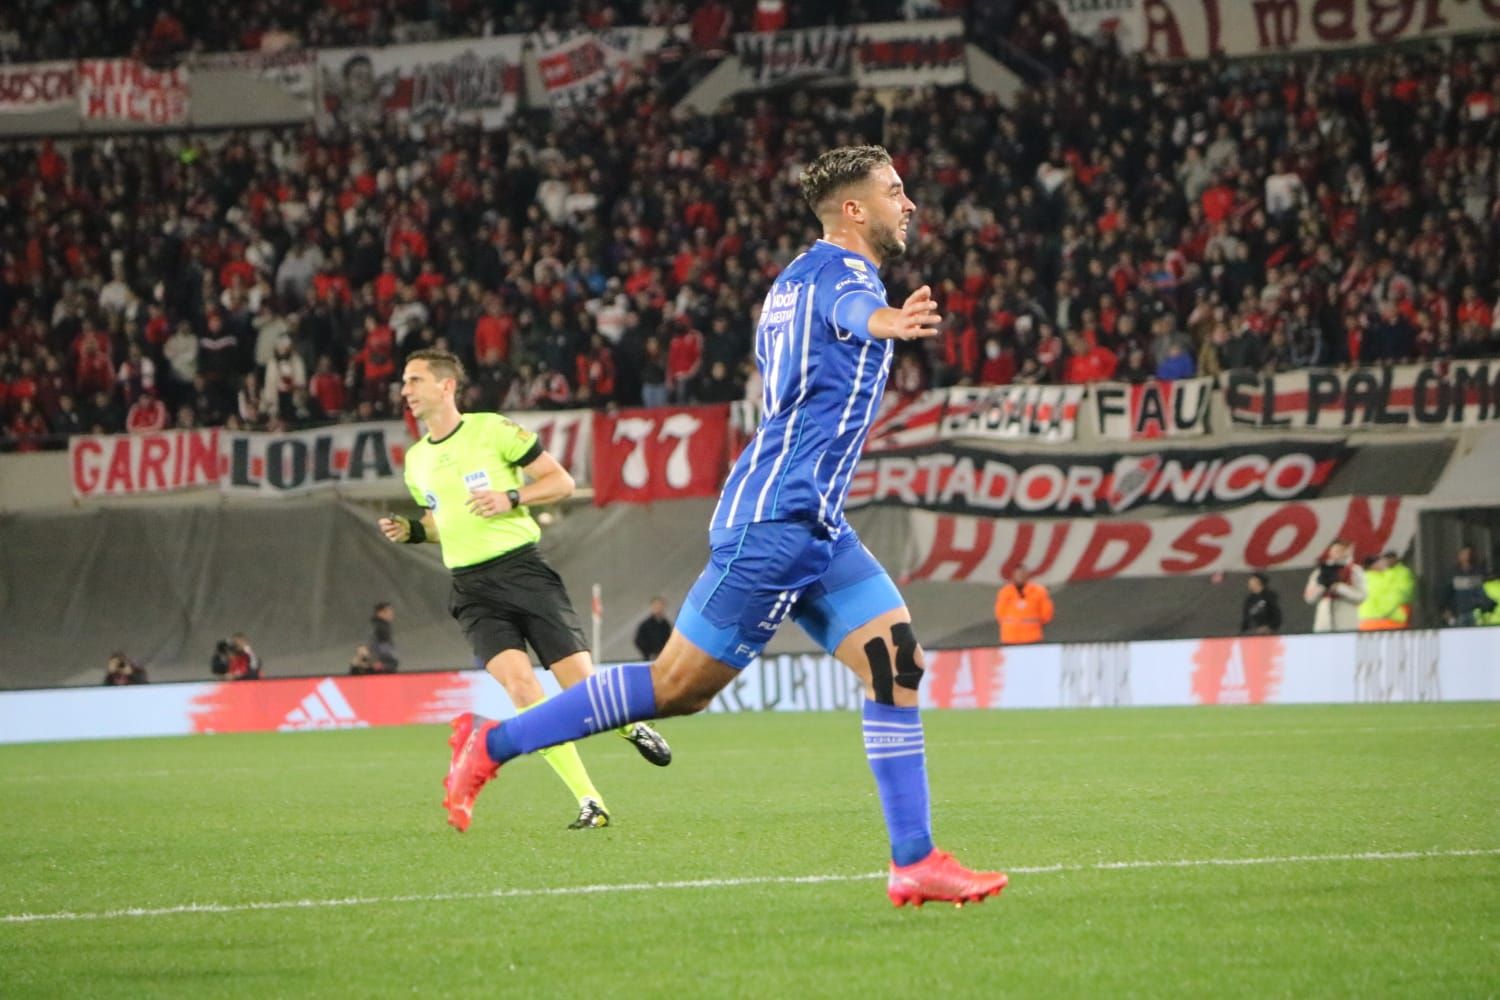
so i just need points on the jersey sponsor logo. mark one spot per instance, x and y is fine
(782, 305)
(855, 263)
(862, 280)
(475, 481)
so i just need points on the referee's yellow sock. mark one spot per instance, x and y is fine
(564, 759)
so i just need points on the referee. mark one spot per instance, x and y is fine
(467, 474)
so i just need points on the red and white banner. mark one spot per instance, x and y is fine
(772, 57)
(1253, 537)
(568, 437)
(580, 69)
(1202, 29)
(471, 80)
(1178, 408)
(972, 481)
(985, 413)
(910, 54)
(1339, 668)
(1390, 397)
(44, 86)
(236, 461)
(125, 90)
(666, 453)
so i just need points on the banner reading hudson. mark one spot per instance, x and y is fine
(1255, 536)
(973, 481)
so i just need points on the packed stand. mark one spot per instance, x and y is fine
(1123, 222)
(37, 30)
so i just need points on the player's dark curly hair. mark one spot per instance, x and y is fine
(444, 364)
(838, 168)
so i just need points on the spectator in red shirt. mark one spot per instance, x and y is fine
(28, 427)
(1473, 309)
(1088, 364)
(94, 372)
(493, 332)
(684, 360)
(596, 373)
(146, 414)
(327, 387)
(999, 367)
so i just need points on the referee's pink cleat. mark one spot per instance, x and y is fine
(940, 878)
(469, 768)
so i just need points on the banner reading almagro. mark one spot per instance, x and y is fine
(975, 481)
(1253, 537)
(1392, 397)
(1202, 29)
(471, 80)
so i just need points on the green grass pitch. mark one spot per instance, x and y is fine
(321, 865)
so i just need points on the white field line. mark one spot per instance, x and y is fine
(1071, 739)
(715, 883)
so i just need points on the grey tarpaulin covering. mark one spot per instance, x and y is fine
(162, 582)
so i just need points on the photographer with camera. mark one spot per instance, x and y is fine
(234, 660)
(122, 670)
(1336, 588)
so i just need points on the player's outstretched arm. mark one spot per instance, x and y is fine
(917, 317)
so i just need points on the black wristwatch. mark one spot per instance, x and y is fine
(514, 496)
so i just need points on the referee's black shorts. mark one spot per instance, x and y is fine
(515, 599)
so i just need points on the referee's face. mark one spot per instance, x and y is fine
(421, 389)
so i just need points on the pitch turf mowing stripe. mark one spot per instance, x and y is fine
(726, 883)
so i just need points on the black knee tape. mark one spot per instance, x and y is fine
(908, 670)
(880, 671)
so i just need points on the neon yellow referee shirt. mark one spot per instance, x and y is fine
(485, 452)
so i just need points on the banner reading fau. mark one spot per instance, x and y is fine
(660, 454)
(1154, 409)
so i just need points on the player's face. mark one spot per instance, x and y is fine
(421, 390)
(890, 211)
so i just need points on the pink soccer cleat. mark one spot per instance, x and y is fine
(469, 769)
(940, 877)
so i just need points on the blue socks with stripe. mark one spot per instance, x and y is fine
(897, 752)
(607, 700)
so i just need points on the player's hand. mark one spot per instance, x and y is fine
(397, 529)
(919, 315)
(488, 503)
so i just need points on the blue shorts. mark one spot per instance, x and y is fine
(759, 574)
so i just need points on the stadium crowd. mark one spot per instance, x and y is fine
(1121, 221)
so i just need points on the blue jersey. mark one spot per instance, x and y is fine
(824, 375)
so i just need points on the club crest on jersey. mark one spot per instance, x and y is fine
(474, 481)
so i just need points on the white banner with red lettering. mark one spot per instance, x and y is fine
(568, 437)
(1383, 398)
(1178, 408)
(1253, 537)
(667, 453)
(578, 69)
(244, 462)
(125, 90)
(43, 86)
(984, 413)
(474, 81)
(1344, 668)
(910, 54)
(1201, 29)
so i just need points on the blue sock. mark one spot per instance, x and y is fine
(607, 700)
(897, 753)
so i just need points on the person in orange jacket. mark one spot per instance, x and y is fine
(1022, 608)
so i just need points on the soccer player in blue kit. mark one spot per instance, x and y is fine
(780, 546)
